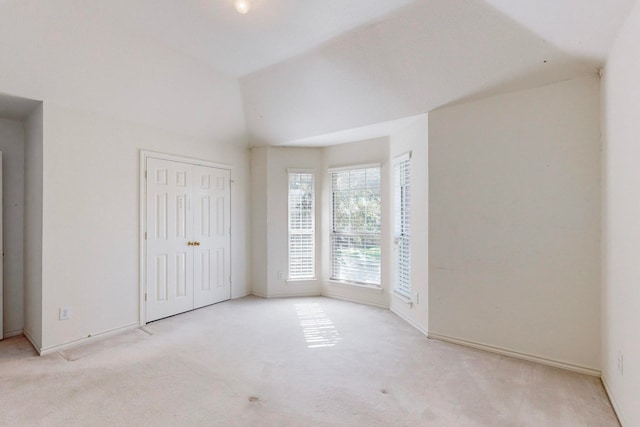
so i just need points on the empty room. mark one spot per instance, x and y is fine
(319, 213)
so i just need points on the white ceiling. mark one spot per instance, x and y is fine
(429, 54)
(235, 44)
(308, 67)
(356, 134)
(584, 28)
(275, 30)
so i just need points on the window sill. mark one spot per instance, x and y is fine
(301, 281)
(374, 288)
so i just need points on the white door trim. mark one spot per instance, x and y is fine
(144, 155)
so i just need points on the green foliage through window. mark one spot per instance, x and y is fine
(356, 225)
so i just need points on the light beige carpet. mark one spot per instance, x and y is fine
(287, 362)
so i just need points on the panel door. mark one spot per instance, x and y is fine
(212, 225)
(169, 230)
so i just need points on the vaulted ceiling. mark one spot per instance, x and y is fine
(235, 44)
(276, 30)
(305, 68)
(585, 28)
(423, 56)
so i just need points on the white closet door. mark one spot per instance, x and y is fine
(212, 225)
(169, 230)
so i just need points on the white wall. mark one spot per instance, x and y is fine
(270, 238)
(621, 213)
(259, 221)
(13, 148)
(354, 154)
(33, 214)
(414, 139)
(91, 218)
(281, 159)
(426, 55)
(107, 94)
(514, 222)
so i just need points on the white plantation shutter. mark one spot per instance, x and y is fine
(301, 226)
(355, 231)
(402, 225)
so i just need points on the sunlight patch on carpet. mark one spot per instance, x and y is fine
(318, 329)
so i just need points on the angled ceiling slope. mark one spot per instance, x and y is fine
(170, 64)
(585, 28)
(213, 32)
(330, 65)
(426, 55)
(68, 54)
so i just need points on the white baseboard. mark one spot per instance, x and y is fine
(612, 399)
(89, 339)
(295, 295)
(356, 300)
(34, 343)
(410, 321)
(246, 294)
(12, 334)
(316, 294)
(516, 354)
(287, 295)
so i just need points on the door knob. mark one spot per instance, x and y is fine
(196, 243)
(190, 243)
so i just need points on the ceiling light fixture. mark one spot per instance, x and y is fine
(242, 6)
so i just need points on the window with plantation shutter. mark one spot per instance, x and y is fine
(301, 226)
(402, 225)
(355, 231)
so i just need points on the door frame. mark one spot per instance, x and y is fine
(144, 155)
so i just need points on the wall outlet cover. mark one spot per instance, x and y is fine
(65, 313)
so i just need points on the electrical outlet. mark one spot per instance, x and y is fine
(620, 363)
(65, 313)
(280, 275)
(417, 297)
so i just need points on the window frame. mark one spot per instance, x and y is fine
(311, 231)
(402, 226)
(333, 234)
